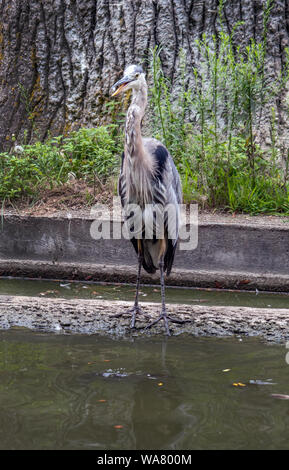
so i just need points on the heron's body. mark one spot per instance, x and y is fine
(164, 188)
(149, 179)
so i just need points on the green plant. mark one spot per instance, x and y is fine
(91, 151)
(210, 125)
(90, 154)
(208, 120)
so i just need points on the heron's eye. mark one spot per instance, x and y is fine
(137, 75)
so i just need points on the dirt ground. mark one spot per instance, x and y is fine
(76, 199)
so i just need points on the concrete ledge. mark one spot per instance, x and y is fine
(127, 274)
(229, 255)
(96, 317)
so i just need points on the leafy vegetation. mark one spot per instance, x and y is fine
(86, 154)
(209, 124)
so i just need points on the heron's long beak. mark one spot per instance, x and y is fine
(118, 86)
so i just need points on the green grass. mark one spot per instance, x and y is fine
(86, 153)
(209, 121)
(210, 124)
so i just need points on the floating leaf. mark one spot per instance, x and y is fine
(261, 382)
(280, 396)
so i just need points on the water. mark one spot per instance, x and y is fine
(89, 392)
(67, 289)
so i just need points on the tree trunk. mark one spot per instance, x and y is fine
(59, 58)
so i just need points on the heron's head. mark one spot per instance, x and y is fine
(133, 78)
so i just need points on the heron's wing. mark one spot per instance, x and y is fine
(175, 197)
(168, 193)
(176, 183)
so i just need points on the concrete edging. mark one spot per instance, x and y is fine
(227, 256)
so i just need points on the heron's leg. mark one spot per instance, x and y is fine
(164, 310)
(164, 315)
(136, 308)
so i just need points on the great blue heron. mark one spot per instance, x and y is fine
(148, 178)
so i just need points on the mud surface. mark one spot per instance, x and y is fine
(97, 317)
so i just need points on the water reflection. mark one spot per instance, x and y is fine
(56, 289)
(77, 392)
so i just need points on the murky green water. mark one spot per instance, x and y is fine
(88, 392)
(66, 289)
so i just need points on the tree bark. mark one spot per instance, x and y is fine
(59, 58)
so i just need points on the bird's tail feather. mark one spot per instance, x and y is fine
(148, 263)
(169, 257)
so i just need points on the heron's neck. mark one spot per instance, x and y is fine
(133, 139)
(138, 163)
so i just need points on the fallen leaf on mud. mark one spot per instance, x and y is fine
(226, 370)
(102, 401)
(218, 285)
(118, 426)
(239, 384)
(160, 384)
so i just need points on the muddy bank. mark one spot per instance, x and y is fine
(97, 317)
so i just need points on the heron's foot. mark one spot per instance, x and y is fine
(166, 318)
(135, 310)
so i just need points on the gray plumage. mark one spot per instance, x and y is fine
(149, 179)
(165, 189)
